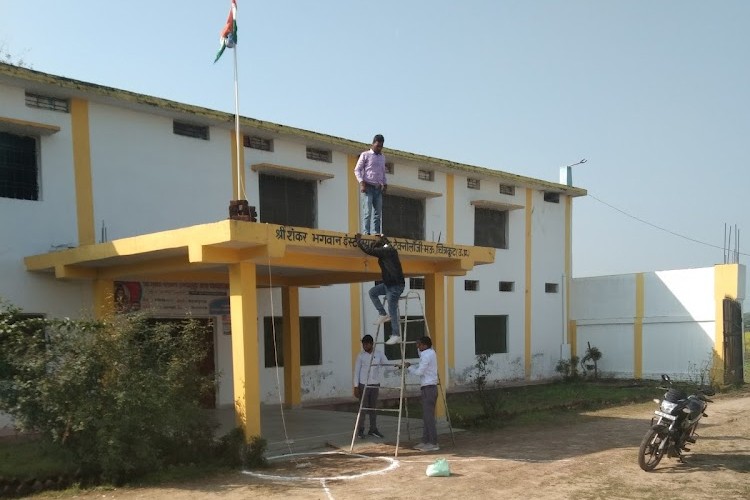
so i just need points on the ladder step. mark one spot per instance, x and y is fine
(381, 409)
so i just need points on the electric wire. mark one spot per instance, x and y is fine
(660, 228)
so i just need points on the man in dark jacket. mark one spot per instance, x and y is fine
(392, 285)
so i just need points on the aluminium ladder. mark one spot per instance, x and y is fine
(402, 406)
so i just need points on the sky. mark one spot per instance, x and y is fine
(655, 95)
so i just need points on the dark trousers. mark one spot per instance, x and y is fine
(371, 400)
(429, 399)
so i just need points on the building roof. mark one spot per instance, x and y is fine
(58, 86)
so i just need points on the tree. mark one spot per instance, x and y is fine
(121, 395)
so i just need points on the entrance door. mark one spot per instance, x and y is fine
(733, 373)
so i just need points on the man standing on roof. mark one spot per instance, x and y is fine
(392, 285)
(370, 173)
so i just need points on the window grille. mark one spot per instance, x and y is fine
(425, 175)
(319, 154)
(19, 167)
(491, 334)
(47, 102)
(551, 197)
(490, 228)
(190, 130)
(255, 142)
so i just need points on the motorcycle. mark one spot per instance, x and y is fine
(673, 425)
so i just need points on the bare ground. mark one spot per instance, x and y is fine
(594, 457)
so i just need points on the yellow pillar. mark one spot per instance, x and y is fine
(434, 292)
(638, 327)
(726, 285)
(573, 336)
(104, 300)
(291, 346)
(244, 309)
(79, 118)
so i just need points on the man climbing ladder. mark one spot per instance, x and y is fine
(392, 285)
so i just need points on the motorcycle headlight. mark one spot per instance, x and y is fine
(667, 407)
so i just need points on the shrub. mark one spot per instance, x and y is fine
(121, 395)
(591, 359)
(568, 368)
(489, 399)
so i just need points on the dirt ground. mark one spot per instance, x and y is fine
(593, 458)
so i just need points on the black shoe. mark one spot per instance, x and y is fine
(361, 434)
(376, 433)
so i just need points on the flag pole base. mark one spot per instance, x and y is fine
(240, 210)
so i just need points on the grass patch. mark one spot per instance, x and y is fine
(540, 403)
(30, 458)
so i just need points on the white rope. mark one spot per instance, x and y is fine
(276, 355)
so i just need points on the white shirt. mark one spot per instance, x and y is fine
(427, 368)
(363, 364)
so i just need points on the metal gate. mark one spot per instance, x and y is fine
(733, 373)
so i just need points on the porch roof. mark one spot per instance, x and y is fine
(285, 256)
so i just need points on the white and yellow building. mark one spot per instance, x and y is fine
(114, 199)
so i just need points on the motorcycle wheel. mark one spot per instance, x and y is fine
(651, 451)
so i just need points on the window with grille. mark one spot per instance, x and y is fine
(319, 154)
(416, 283)
(425, 175)
(255, 142)
(287, 201)
(389, 168)
(490, 334)
(507, 286)
(310, 341)
(472, 183)
(506, 189)
(403, 217)
(19, 168)
(471, 285)
(47, 102)
(190, 130)
(550, 287)
(490, 227)
(551, 197)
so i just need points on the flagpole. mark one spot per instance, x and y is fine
(237, 126)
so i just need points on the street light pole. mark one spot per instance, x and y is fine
(566, 173)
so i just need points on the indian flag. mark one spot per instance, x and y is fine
(228, 36)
